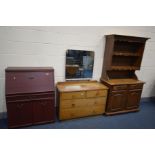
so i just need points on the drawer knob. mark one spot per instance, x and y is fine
(95, 102)
(97, 93)
(73, 105)
(72, 114)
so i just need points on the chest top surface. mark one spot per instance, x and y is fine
(80, 86)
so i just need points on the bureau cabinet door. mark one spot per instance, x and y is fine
(19, 113)
(133, 99)
(117, 101)
(43, 110)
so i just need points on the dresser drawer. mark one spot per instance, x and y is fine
(96, 93)
(80, 112)
(136, 86)
(72, 95)
(82, 102)
(119, 87)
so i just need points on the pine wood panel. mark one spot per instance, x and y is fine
(72, 95)
(79, 99)
(97, 93)
(81, 112)
(83, 102)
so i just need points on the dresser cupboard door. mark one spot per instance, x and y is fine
(19, 113)
(43, 110)
(117, 101)
(133, 99)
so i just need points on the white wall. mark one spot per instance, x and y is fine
(46, 46)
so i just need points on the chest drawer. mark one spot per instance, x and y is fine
(96, 93)
(80, 112)
(83, 102)
(136, 86)
(119, 87)
(72, 95)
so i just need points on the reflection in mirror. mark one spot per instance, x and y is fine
(79, 64)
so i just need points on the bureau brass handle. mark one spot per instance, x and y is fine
(43, 104)
(20, 105)
(31, 78)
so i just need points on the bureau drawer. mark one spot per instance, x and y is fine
(119, 87)
(96, 93)
(29, 97)
(42, 96)
(82, 102)
(72, 95)
(17, 98)
(81, 112)
(136, 86)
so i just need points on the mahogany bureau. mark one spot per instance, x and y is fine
(30, 95)
(79, 99)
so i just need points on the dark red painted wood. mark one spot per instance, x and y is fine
(30, 96)
(29, 82)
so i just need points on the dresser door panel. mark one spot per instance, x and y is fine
(117, 101)
(134, 97)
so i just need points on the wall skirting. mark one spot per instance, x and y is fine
(148, 99)
(3, 115)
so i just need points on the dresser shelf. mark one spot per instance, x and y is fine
(124, 68)
(125, 54)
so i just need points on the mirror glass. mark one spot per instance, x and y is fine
(79, 64)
